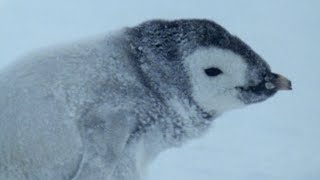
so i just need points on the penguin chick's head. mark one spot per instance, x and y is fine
(228, 74)
(203, 60)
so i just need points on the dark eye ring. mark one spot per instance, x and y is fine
(213, 71)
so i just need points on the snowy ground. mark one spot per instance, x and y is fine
(278, 139)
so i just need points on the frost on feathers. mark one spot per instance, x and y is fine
(106, 107)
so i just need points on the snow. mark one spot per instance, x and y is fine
(277, 139)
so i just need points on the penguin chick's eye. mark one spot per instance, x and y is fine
(213, 71)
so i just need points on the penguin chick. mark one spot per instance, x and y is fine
(104, 108)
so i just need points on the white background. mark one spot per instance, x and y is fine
(277, 140)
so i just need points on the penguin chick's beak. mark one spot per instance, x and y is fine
(279, 82)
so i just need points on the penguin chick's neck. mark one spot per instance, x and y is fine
(188, 121)
(175, 114)
(172, 122)
(181, 118)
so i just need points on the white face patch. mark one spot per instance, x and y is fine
(216, 93)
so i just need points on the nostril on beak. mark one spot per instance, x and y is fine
(282, 83)
(270, 85)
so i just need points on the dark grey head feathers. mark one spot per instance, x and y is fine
(173, 39)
